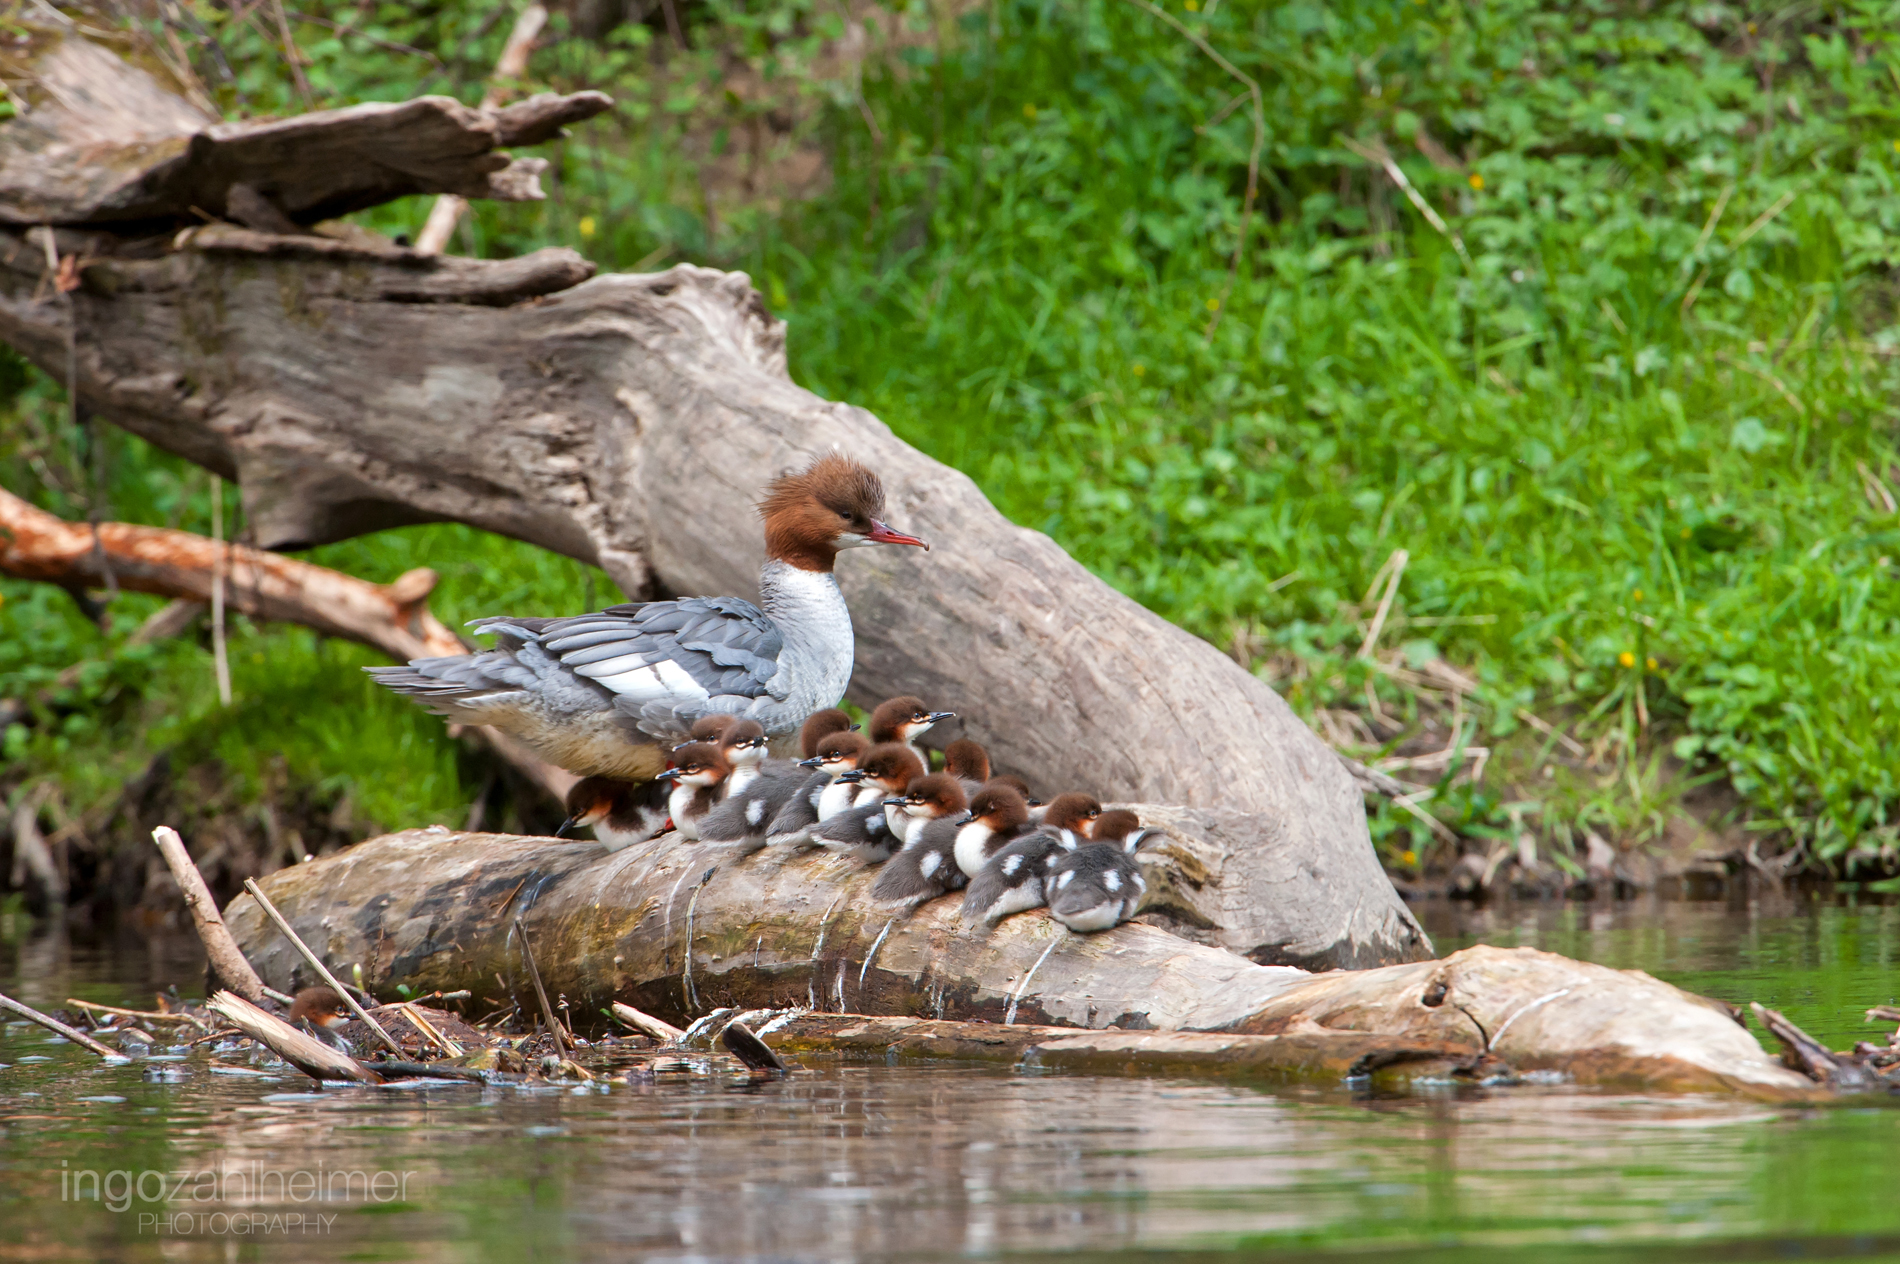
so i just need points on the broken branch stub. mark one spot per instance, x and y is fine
(630, 421)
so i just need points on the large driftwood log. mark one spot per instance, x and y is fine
(631, 421)
(680, 929)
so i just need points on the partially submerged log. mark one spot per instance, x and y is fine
(628, 421)
(682, 928)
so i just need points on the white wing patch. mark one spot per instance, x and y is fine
(754, 811)
(931, 863)
(1112, 880)
(632, 677)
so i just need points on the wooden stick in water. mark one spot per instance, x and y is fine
(270, 910)
(428, 1029)
(646, 1024)
(52, 1024)
(308, 1054)
(227, 959)
(534, 972)
(149, 1015)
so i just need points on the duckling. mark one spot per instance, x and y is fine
(870, 831)
(998, 816)
(319, 1011)
(927, 866)
(1036, 806)
(1098, 886)
(969, 763)
(743, 744)
(1012, 880)
(621, 812)
(699, 769)
(821, 796)
(905, 719)
(750, 806)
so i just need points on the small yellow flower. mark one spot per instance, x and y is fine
(586, 226)
(1193, 6)
(1626, 658)
(1213, 305)
(1896, 147)
(1751, 28)
(1029, 112)
(1685, 533)
(1637, 595)
(1140, 369)
(1476, 181)
(1650, 663)
(1408, 857)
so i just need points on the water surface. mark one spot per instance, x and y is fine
(855, 1160)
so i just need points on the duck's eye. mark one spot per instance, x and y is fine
(843, 516)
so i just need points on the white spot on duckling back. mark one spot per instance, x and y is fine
(754, 811)
(931, 863)
(1111, 880)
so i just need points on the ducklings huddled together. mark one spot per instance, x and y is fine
(875, 798)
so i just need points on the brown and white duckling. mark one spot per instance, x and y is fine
(1098, 886)
(744, 746)
(823, 795)
(1012, 879)
(621, 813)
(753, 802)
(905, 719)
(699, 770)
(969, 763)
(871, 831)
(998, 817)
(1036, 806)
(320, 1011)
(927, 865)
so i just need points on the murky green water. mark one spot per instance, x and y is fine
(855, 1161)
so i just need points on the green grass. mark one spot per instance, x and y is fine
(1620, 428)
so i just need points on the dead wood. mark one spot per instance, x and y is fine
(227, 960)
(646, 1024)
(1813, 1059)
(393, 618)
(630, 421)
(103, 142)
(433, 909)
(308, 1054)
(53, 1025)
(744, 1044)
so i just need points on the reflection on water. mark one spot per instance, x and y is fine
(857, 1161)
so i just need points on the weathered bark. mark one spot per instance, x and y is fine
(393, 618)
(631, 421)
(678, 930)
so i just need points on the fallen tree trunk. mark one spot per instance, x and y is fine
(679, 929)
(393, 618)
(628, 421)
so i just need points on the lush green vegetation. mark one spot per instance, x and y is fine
(1628, 411)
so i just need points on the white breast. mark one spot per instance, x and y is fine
(972, 839)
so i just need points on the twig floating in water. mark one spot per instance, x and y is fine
(308, 1054)
(52, 1024)
(270, 910)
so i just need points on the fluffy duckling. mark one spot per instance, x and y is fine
(744, 746)
(320, 1011)
(927, 866)
(1098, 886)
(699, 770)
(621, 812)
(905, 719)
(1012, 880)
(969, 763)
(871, 831)
(824, 795)
(752, 804)
(998, 816)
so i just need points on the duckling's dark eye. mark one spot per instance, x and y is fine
(845, 516)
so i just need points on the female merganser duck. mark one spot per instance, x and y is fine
(1012, 879)
(872, 831)
(998, 816)
(700, 768)
(621, 813)
(592, 693)
(927, 866)
(905, 719)
(319, 1011)
(1098, 886)
(751, 804)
